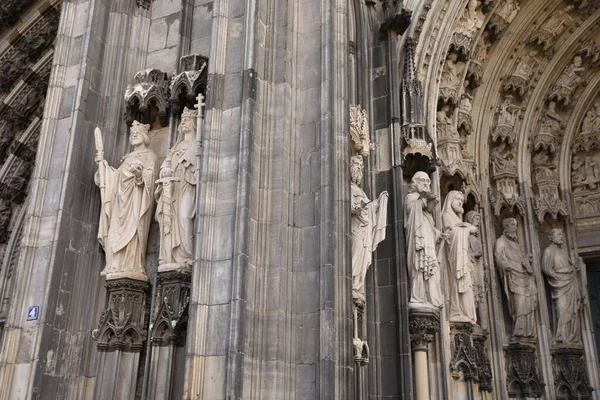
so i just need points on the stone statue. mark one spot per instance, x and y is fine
(461, 276)
(451, 72)
(476, 254)
(518, 279)
(421, 238)
(568, 81)
(176, 197)
(561, 273)
(588, 123)
(550, 129)
(470, 21)
(445, 126)
(368, 221)
(127, 203)
(502, 161)
(508, 10)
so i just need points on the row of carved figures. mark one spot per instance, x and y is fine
(130, 193)
(457, 248)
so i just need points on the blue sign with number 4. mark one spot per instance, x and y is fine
(33, 313)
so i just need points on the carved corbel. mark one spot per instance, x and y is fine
(169, 324)
(523, 379)
(148, 97)
(122, 324)
(570, 376)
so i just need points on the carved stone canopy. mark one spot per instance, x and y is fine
(192, 81)
(147, 98)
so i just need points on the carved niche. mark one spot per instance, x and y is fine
(465, 28)
(568, 82)
(518, 81)
(475, 69)
(547, 200)
(502, 17)
(451, 80)
(504, 174)
(552, 28)
(186, 86)
(505, 119)
(148, 95)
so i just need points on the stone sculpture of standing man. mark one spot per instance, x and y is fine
(561, 273)
(421, 239)
(127, 203)
(461, 266)
(518, 279)
(368, 222)
(176, 197)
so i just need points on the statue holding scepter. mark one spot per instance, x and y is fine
(127, 202)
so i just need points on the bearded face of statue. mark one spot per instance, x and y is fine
(139, 134)
(457, 204)
(356, 172)
(510, 229)
(422, 182)
(557, 237)
(477, 221)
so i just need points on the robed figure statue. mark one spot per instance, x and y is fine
(561, 273)
(127, 202)
(176, 197)
(458, 255)
(421, 243)
(518, 279)
(368, 221)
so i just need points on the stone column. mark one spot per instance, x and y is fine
(424, 323)
(120, 338)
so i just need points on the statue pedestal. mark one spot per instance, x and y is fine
(424, 323)
(570, 375)
(469, 359)
(168, 334)
(522, 378)
(120, 338)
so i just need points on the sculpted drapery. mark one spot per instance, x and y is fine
(176, 197)
(518, 280)
(421, 239)
(458, 256)
(127, 203)
(561, 273)
(368, 221)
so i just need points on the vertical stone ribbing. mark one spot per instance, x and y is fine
(98, 42)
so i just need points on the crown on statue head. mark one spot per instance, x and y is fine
(187, 113)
